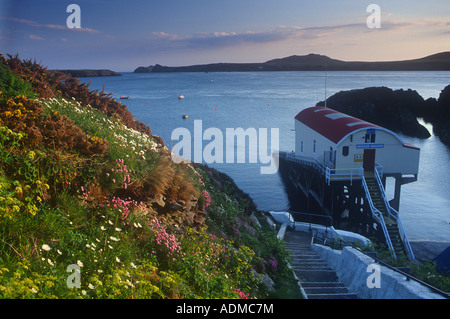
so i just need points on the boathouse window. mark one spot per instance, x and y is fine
(331, 154)
(369, 138)
(301, 146)
(314, 147)
(345, 150)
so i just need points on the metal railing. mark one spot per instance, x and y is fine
(379, 217)
(312, 219)
(329, 173)
(395, 216)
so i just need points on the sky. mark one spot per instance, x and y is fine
(123, 35)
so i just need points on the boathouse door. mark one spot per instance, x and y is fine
(369, 160)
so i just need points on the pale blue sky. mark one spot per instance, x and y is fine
(122, 35)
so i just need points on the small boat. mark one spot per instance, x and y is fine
(124, 97)
(181, 96)
(185, 117)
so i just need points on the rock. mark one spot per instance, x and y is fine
(268, 283)
(255, 220)
(181, 202)
(395, 110)
(189, 218)
(176, 206)
(437, 112)
(147, 211)
(158, 200)
(200, 220)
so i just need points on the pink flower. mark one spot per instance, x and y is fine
(241, 294)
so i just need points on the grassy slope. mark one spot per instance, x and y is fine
(83, 185)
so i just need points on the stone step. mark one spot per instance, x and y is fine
(308, 284)
(315, 275)
(301, 267)
(317, 279)
(306, 257)
(309, 262)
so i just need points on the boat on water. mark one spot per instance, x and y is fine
(185, 116)
(181, 96)
(124, 97)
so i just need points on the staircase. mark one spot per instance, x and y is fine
(317, 279)
(391, 225)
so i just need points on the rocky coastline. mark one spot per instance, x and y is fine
(312, 62)
(397, 110)
(90, 73)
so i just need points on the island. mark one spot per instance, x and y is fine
(312, 62)
(88, 73)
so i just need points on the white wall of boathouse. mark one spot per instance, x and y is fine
(391, 152)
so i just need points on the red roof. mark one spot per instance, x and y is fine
(332, 124)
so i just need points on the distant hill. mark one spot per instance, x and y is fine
(313, 62)
(90, 73)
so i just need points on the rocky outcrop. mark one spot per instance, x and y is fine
(438, 114)
(395, 110)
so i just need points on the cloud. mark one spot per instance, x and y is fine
(34, 24)
(221, 39)
(301, 34)
(35, 37)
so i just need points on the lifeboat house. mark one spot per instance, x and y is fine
(346, 145)
(355, 157)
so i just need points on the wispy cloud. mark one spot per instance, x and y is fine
(225, 39)
(34, 24)
(294, 33)
(35, 37)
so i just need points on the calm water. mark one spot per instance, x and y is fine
(271, 100)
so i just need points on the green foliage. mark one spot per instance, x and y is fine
(228, 216)
(11, 85)
(429, 273)
(74, 188)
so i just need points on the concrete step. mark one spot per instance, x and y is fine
(306, 257)
(316, 275)
(302, 267)
(308, 284)
(310, 262)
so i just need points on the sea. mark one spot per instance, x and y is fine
(270, 100)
